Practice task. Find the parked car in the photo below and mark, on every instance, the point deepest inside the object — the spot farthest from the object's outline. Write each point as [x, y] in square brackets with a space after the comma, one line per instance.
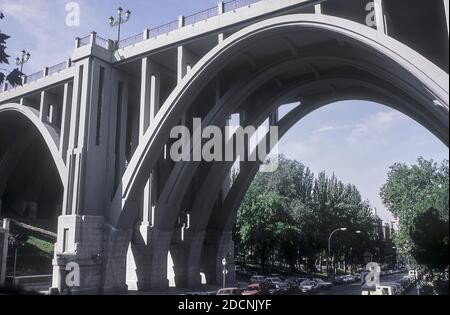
[382, 290]
[273, 289]
[257, 279]
[229, 291]
[292, 281]
[242, 271]
[283, 286]
[273, 280]
[308, 286]
[261, 288]
[348, 279]
[338, 280]
[300, 280]
[323, 285]
[398, 287]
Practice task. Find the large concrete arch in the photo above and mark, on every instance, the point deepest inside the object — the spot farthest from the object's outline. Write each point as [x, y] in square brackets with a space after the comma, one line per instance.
[421, 76]
[203, 205]
[186, 253]
[46, 132]
[217, 233]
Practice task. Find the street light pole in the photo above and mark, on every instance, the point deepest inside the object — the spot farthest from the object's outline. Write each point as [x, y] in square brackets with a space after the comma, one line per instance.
[20, 61]
[224, 264]
[329, 247]
[119, 21]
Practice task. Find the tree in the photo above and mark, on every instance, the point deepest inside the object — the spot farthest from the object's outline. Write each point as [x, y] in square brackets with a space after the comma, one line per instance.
[261, 222]
[429, 236]
[410, 191]
[14, 77]
[288, 215]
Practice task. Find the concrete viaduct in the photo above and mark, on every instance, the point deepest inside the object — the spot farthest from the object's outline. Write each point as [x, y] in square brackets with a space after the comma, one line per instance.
[86, 141]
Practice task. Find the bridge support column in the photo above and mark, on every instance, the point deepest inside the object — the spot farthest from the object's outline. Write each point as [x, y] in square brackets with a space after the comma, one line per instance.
[185, 61]
[379, 16]
[147, 259]
[218, 245]
[318, 8]
[44, 106]
[77, 264]
[115, 246]
[65, 119]
[49, 107]
[186, 254]
[149, 105]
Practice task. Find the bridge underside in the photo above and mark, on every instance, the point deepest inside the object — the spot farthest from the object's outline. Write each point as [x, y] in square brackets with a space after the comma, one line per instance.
[132, 216]
[30, 186]
[194, 211]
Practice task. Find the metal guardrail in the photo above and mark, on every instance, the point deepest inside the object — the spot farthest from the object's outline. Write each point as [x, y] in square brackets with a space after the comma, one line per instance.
[6, 86]
[189, 20]
[163, 29]
[201, 16]
[57, 68]
[153, 33]
[34, 77]
[236, 4]
[131, 40]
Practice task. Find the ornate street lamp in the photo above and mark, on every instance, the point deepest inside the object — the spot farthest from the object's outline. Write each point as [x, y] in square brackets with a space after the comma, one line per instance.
[119, 21]
[20, 61]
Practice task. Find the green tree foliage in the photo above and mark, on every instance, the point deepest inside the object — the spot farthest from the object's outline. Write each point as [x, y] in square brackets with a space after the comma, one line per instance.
[14, 76]
[410, 191]
[429, 237]
[287, 216]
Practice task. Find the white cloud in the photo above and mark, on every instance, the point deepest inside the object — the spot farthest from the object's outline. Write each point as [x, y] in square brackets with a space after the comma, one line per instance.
[330, 128]
[376, 127]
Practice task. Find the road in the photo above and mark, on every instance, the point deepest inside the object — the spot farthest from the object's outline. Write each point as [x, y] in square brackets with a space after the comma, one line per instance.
[355, 288]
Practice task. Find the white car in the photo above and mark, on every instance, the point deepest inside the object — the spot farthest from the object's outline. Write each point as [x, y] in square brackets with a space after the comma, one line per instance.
[308, 286]
[229, 291]
[382, 290]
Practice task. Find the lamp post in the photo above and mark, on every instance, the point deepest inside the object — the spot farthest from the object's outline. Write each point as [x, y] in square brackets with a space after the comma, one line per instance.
[119, 21]
[224, 271]
[20, 61]
[329, 247]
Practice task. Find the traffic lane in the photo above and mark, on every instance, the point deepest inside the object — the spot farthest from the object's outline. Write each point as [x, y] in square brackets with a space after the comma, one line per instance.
[355, 288]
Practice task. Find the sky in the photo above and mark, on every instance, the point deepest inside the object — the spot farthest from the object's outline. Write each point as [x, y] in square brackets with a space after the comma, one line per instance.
[356, 140]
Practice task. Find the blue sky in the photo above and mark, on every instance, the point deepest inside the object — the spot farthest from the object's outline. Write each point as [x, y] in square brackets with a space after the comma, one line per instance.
[358, 141]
